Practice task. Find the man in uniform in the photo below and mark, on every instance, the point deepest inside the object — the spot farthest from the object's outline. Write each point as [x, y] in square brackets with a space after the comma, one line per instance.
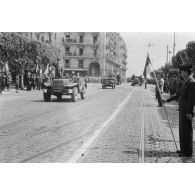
[186, 106]
[17, 82]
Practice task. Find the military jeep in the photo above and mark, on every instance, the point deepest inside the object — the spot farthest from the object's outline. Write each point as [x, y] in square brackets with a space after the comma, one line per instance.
[63, 86]
[108, 81]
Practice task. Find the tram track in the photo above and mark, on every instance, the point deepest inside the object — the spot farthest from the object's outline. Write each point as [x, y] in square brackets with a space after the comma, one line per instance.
[142, 135]
[55, 147]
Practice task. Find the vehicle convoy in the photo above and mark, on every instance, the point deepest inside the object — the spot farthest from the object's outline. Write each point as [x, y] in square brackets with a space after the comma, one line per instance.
[108, 82]
[137, 80]
[63, 86]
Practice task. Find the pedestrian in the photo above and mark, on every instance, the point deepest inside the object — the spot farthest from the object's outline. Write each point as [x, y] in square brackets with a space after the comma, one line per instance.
[17, 82]
[186, 106]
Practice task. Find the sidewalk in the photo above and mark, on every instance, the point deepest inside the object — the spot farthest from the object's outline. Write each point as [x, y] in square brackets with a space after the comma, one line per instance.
[160, 137]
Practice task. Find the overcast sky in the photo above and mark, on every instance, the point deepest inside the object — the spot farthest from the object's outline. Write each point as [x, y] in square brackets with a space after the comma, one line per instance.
[137, 48]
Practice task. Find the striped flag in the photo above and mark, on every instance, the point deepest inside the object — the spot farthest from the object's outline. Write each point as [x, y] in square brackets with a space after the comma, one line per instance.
[147, 68]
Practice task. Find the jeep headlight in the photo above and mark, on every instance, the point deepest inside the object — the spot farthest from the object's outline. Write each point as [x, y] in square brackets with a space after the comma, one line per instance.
[70, 91]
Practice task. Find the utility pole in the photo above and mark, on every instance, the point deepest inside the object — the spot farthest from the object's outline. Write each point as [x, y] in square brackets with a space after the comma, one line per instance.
[167, 53]
[169, 56]
[174, 45]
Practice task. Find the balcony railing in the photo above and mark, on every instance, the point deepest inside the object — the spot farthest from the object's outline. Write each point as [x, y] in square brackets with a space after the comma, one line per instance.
[75, 42]
[75, 55]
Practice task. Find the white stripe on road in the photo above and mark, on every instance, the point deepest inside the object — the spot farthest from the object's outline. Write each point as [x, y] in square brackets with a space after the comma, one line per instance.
[80, 152]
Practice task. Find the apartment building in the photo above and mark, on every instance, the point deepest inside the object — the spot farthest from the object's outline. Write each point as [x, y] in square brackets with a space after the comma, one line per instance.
[94, 54]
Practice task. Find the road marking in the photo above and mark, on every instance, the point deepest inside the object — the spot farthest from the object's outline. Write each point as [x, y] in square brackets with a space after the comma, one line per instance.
[141, 146]
[80, 152]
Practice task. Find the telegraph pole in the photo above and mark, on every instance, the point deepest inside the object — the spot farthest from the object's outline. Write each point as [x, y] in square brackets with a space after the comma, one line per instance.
[167, 54]
[174, 45]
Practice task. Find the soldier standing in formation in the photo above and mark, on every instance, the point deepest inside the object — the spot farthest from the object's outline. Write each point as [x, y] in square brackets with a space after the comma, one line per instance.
[186, 106]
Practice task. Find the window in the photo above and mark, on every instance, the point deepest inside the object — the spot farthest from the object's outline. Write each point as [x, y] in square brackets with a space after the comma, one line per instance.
[42, 38]
[81, 39]
[80, 63]
[94, 39]
[95, 52]
[49, 37]
[67, 63]
[63, 39]
[67, 50]
[67, 36]
[31, 35]
[55, 36]
[80, 51]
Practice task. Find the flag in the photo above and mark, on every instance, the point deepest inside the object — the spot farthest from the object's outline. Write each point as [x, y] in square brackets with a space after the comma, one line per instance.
[46, 70]
[147, 69]
[6, 67]
[37, 68]
[40, 71]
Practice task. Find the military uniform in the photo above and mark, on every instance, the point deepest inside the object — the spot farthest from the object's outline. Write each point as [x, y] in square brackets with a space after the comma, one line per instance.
[186, 106]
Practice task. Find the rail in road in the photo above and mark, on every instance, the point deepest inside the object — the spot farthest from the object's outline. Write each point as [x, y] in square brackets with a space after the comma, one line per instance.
[141, 147]
[82, 151]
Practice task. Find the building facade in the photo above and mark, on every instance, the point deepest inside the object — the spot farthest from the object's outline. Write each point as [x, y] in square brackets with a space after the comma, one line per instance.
[93, 54]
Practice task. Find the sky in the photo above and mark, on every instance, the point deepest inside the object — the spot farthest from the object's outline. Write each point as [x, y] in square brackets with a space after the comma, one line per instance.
[137, 48]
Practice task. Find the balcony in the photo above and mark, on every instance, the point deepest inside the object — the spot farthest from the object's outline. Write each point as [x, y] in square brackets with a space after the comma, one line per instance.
[75, 55]
[80, 44]
[112, 59]
[70, 41]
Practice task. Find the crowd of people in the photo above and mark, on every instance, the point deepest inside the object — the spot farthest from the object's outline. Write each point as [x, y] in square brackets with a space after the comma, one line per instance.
[181, 89]
[31, 81]
[5, 82]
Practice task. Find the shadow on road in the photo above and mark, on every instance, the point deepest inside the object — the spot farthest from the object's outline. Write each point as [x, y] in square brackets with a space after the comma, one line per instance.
[56, 101]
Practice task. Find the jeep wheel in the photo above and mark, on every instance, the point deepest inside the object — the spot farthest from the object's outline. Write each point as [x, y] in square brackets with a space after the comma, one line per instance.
[74, 95]
[83, 94]
[47, 97]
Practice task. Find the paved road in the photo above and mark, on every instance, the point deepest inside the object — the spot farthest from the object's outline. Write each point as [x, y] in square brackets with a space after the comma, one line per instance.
[105, 127]
[35, 131]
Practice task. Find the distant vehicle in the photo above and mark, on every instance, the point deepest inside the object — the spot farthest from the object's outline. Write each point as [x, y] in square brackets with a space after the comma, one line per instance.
[61, 86]
[108, 82]
[137, 80]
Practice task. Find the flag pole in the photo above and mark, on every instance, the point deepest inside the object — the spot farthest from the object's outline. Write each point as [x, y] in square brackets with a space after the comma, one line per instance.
[166, 113]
